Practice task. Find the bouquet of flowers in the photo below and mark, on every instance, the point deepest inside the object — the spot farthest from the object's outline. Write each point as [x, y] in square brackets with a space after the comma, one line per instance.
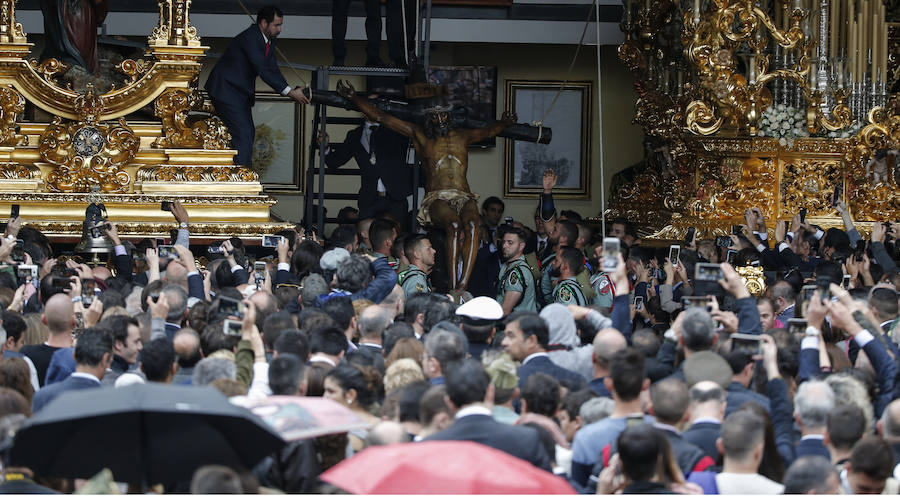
[848, 132]
[788, 123]
[785, 123]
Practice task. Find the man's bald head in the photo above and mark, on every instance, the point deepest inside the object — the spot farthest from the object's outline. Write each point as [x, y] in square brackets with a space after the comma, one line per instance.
[607, 342]
[187, 347]
[394, 301]
[58, 314]
[264, 301]
[707, 400]
[373, 320]
[176, 274]
[386, 433]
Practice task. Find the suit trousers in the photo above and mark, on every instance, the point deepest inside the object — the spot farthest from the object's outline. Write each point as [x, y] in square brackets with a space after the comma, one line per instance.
[395, 29]
[239, 120]
[339, 10]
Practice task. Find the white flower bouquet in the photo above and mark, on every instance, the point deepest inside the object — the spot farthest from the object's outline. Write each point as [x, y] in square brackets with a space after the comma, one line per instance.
[785, 123]
[789, 123]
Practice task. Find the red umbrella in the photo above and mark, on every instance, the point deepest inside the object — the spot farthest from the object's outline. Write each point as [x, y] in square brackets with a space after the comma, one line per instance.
[442, 468]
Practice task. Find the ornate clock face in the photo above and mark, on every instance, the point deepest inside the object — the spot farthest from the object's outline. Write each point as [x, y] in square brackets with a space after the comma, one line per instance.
[88, 141]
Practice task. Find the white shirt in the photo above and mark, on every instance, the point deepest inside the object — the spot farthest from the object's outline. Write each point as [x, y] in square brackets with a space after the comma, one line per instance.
[322, 359]
[742, 483]
[364, 138]
[707, 419]
[472, 411]
[88, 376]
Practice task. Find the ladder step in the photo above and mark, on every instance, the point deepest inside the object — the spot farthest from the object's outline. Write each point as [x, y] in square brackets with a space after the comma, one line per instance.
[366, 71]
[338, 172]
[344, 120]
[341, 196]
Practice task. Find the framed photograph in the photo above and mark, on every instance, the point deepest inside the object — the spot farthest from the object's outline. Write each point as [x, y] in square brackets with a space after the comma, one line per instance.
[472, 92]
[569, 150]
[278, 143]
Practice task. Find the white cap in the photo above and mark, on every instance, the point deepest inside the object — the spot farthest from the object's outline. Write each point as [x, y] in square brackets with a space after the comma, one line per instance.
[331, 259]
[484, 308]
[126, 379]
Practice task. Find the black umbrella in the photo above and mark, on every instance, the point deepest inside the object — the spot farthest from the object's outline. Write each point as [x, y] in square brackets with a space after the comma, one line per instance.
[145, 434]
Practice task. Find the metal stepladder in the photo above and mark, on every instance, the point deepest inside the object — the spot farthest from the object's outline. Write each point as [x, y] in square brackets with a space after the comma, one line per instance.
[316, 171]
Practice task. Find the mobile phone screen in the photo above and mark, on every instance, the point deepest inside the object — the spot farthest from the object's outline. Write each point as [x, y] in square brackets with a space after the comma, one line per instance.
[674, 252]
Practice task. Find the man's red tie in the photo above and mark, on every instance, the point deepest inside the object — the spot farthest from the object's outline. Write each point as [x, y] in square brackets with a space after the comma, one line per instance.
[267, 49]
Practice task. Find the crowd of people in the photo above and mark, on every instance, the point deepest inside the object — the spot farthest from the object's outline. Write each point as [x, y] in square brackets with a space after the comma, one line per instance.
[647, 370]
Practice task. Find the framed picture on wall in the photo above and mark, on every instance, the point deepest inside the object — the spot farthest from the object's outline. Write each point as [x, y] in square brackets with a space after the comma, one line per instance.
[277, 154]
[569, 150]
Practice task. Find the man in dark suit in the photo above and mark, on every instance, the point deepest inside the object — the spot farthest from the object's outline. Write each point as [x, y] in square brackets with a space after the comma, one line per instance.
[813, 402]
[380, 154]
[232, 83]
[373, 320]
[707, 412]
[93, 354]
[742, 367]
[526, 340]
[470, 393]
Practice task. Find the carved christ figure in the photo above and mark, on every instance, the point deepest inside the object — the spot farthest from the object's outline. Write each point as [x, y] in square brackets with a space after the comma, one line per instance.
[448, 202]
[70, 27]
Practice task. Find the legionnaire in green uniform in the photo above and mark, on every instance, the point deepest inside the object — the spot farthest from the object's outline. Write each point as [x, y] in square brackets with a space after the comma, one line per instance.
[420, 253]
[605, 290]
[564, 234]
[382, 233]
[516, 286]
[568, 263]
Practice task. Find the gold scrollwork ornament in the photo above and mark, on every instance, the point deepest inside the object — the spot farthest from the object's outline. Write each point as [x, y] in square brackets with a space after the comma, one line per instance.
[88, 155]
[88, 152]
[11, 105]
[206, 174]
[173, 107]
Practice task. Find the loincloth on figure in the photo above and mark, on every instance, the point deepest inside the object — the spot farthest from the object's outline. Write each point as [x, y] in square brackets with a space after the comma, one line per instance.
[456, 198]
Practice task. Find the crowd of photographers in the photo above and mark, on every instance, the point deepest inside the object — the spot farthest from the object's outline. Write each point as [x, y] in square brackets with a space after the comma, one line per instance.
[614, 364]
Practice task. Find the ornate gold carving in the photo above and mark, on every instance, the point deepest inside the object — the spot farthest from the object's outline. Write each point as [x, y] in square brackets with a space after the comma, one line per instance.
[874, 195]
[754, 279]
[207, 174]
[19, 171]
[881, 132]
[701, 119]
[11, 105]
[173, 107]
[144, 229]
[129, 198]
[88, 152]
[809, 183]
[731, 185]
[712, 42]
[10, 30]
[49, 70]
[174, 27]
[134, 69]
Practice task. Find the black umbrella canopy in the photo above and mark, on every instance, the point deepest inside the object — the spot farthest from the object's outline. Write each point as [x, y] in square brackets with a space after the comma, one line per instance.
[146, 434]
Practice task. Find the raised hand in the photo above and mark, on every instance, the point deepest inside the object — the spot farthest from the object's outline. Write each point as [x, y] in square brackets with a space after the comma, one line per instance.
[549, 180]
[180, 212]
